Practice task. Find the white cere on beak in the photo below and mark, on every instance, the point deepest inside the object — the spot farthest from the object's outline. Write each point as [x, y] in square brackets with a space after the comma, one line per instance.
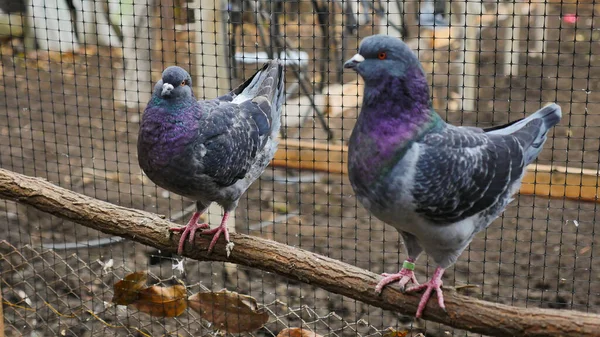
[167, 88]
[358, 58]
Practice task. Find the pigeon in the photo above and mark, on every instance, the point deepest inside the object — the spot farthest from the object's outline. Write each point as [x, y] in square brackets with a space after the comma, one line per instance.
[211, 150]
[436, 183]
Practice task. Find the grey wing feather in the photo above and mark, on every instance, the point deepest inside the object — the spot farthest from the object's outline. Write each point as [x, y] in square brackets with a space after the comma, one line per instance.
[238, 125]
[226, 146]
[531, 131]
[461, 173]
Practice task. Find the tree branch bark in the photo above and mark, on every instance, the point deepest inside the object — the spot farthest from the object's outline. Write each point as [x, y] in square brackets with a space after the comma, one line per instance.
[462, 312]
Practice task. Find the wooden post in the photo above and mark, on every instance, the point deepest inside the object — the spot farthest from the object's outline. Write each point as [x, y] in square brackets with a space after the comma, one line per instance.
[211, 77]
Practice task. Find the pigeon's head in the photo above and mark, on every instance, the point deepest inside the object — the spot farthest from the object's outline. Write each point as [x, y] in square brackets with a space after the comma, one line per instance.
[175, 83]
[380, 55]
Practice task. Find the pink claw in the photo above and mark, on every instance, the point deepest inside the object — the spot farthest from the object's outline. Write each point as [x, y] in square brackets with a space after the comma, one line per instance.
[189, 231]
[404, 276]
[429, 286]
[217, 232]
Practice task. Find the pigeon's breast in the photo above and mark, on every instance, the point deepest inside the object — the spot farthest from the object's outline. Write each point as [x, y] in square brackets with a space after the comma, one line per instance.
[166, 154]
[386, 194]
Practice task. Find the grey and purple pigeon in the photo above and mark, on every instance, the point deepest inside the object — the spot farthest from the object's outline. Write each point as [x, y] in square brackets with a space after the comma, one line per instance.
[211, 150]
[437, 184]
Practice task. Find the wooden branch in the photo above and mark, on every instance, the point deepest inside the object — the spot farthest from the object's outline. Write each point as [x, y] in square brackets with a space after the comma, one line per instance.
[335, 276]
[543, 180]
[314, 156]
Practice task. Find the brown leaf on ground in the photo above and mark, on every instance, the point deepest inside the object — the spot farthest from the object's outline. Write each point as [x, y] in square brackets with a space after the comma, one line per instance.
[391, 332]
[229, 311]
[297, 332]
[162, 301]
[128, 289]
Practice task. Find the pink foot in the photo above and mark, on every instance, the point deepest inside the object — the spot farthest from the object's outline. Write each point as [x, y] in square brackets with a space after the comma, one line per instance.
[429, 286]
[189, 231]
[404, 276]
[217, 233]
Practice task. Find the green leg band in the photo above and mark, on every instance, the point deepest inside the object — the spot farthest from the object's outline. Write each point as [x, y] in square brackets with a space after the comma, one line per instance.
[408, 265]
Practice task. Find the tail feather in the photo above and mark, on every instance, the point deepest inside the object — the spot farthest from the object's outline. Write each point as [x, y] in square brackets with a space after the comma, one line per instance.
[278, 99]
[264, 82]
[531, 131]
[550, 115]
[266, 89]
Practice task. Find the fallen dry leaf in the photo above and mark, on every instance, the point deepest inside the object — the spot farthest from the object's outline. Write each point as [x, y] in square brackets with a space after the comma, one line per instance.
[297, 332]
[154, 300]
[391, 332]
[162, 301]
[128, 289]
[229, 311]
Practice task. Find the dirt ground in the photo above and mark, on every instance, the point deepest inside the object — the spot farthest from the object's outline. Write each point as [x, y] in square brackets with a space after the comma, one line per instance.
[59, 121]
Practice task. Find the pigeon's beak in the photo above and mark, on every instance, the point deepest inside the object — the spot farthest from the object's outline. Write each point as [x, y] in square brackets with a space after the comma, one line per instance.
[166, 89]
[354, 61]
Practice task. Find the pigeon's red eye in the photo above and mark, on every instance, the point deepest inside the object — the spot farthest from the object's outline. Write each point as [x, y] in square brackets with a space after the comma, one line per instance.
[182, 83]
[382, 55]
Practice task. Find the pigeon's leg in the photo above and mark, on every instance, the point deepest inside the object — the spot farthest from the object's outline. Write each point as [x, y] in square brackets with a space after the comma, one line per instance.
[189, 230]
[434, 284]
[405, 275]
[217, 232]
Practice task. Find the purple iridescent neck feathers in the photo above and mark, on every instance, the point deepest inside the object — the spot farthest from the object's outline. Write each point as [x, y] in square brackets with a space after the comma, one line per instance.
[396, 110]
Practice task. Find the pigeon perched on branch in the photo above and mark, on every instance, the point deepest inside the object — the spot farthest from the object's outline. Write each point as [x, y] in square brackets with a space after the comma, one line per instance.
[436, 183]
[212, 150]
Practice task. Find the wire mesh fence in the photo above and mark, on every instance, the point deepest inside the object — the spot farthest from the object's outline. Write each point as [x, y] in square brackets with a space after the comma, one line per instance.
[52, 294]
[76, 76]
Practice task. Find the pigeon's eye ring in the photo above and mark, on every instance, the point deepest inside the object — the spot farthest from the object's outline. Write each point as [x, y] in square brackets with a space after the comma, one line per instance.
[182, 83]
[382, 55]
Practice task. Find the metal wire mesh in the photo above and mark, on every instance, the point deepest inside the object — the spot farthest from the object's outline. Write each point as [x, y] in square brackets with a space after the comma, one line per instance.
[76, 76]
[50, 295]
